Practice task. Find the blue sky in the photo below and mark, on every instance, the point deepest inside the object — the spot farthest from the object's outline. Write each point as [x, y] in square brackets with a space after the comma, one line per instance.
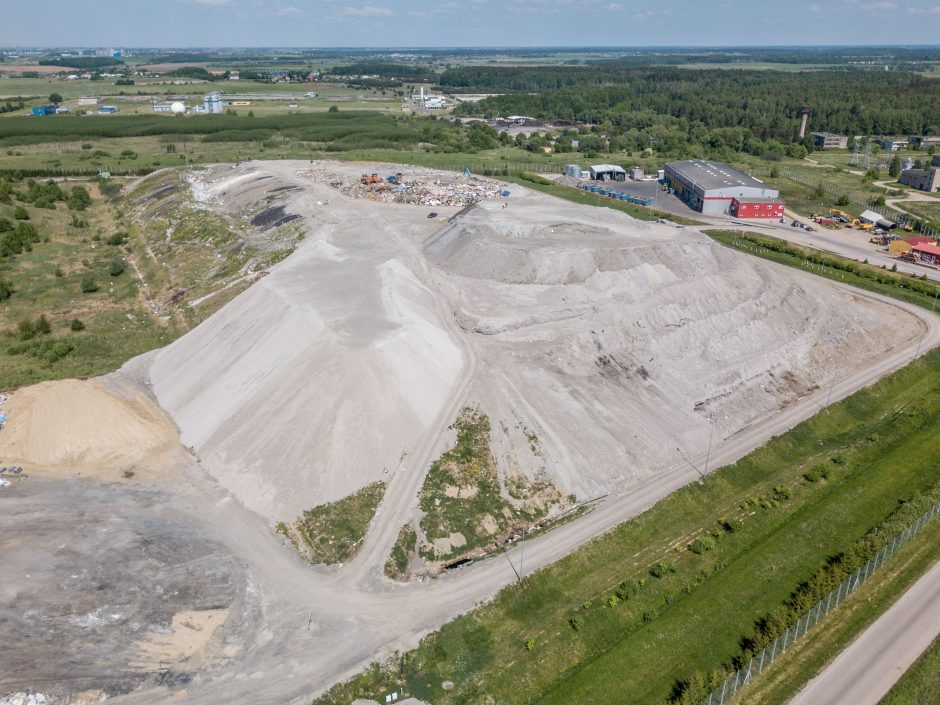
[328, 23]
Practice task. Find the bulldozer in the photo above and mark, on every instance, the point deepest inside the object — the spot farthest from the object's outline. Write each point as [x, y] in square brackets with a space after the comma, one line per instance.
[368, 179]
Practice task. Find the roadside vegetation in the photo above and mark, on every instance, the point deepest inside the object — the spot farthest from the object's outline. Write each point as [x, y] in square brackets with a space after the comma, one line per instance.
[639, 611]
[906, 287]
[464, 511]
[403, 552]
[778, 684]
[920, 683]
[333, 532]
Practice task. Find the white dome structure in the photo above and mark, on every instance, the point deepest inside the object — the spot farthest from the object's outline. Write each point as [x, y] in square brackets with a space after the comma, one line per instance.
[177, 108]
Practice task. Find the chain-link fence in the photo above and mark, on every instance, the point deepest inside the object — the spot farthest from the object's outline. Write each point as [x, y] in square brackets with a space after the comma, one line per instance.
[740, 678]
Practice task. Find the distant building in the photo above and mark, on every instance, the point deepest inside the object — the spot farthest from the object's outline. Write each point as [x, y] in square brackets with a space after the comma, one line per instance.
[924, 141]
[62, 110]
[904, 245]
[935, 161]
[107, 109]
[892, 145]
[233, 75]
[922, 179]
[433, 102]
[44, 110]
[212, 103]
[608, 172]
[875, 218]
[573, 170]
[756, 207]
[709, 187]
[87, 100]
[162, 108]
[827, 140]
[927, 253]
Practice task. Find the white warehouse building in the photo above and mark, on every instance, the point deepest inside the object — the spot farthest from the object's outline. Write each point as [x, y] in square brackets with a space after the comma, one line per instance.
[709, 187]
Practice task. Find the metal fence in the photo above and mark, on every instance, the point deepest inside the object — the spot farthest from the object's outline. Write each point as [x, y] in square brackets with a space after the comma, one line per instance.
[740, 678]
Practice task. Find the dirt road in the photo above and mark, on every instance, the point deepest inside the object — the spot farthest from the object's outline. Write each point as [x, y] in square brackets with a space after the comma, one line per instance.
[295, 629]
[867, 669]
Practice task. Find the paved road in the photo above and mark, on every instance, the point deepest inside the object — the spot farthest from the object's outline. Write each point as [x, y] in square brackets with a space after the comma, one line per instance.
[865, 671]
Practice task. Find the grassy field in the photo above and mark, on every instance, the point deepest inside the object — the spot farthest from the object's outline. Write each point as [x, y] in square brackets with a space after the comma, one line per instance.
[921, 683]
[627, 616]
[333, 532]
[915, 290]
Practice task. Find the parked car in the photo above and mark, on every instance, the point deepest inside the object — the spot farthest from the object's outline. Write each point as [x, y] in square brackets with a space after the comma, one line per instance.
[432, 215]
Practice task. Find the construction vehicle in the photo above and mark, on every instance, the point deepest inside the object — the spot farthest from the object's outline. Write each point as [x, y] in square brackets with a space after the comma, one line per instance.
[395, 179]
[841, 216]
[856, 223]
[908, 228]
[368, 179]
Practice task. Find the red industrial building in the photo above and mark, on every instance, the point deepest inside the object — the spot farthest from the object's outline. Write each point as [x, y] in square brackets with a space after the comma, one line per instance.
[928, 253]
[756, 207]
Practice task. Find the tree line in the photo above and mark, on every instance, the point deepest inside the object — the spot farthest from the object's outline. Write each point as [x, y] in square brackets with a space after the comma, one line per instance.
[708, 106]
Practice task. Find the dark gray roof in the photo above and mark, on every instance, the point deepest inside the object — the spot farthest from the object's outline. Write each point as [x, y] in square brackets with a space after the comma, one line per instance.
[713, 175]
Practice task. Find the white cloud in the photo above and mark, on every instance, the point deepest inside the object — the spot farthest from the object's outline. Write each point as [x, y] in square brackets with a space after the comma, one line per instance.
[365, 11]
[935, 10]
[879, 6]
[815, 9]
[210, 3]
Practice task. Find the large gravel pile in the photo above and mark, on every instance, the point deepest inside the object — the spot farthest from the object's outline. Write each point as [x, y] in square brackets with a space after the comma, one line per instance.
[621, 346]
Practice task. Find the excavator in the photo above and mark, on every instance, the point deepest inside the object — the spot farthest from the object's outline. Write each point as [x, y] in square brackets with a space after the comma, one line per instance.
[368, 179]
[841, 216]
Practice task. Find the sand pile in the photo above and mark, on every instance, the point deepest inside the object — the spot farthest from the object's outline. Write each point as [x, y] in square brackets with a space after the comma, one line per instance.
[74, 424]
[318, 379]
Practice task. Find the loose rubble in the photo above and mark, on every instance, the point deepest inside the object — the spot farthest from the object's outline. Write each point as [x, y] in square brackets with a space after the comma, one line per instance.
[412, 185]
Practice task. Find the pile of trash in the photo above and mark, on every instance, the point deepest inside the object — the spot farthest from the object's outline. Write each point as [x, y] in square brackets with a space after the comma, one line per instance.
[24, 699]
[422, 187]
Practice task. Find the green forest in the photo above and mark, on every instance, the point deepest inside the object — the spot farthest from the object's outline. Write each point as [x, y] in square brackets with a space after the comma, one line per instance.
[716, 110]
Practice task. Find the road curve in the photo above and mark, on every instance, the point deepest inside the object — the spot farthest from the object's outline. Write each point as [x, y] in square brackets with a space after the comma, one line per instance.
[866, 670]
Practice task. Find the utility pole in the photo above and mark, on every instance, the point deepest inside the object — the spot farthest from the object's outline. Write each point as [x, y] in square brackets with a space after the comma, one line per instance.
[709, 451]
[829, 396]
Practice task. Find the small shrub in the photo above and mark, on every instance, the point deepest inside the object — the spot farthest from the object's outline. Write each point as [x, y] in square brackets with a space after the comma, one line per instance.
[613, 601]
[119, 238]
[529, 644]
[76, 325]
[731, 524]
[781, 493]
[20, 213]
[816, 473]
[6, 289]
[662, 569]
[88, 145]
[702, 544]
[88, 284]
[576, 622]
[117, 267]
[42, 326]
[25, 329]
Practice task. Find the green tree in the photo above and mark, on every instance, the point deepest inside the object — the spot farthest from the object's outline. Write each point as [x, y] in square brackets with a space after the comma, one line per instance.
[76, 325]
[55, 98]
[895, 167]
[117, 267]
[20, 213]
[843, 201]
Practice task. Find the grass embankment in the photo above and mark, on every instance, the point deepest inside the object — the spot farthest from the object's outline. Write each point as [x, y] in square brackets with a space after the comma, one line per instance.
[587, 198]
[906, 287]
[632, 613]
[331, 533]
[78, 275]
[921, 682]
[464, 510]
[779, 683]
